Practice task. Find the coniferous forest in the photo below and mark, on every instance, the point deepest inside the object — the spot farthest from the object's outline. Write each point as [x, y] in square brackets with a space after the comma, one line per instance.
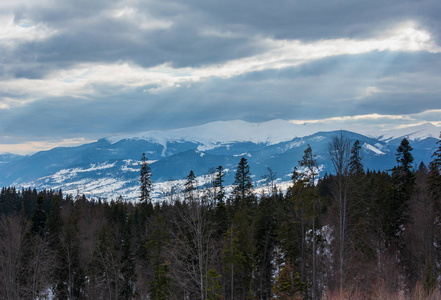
[348, 234]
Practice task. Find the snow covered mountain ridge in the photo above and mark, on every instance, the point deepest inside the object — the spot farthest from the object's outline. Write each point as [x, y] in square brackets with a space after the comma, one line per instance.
[271, 132]
[413, 133]
[109, 167]
[221, 132]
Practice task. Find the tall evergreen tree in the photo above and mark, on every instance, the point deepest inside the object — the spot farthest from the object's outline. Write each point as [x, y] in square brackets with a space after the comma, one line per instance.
[310, 171]
[265, 235]
[55, 221]
[243, 184]
[190, 186]
[127, 262]
[355, 161]
[434, 184]
[156, 247]
[435, 172]
[71, 277]
[295, 223]
[39, 217]
[237, 256]
[404, 158]
[218, 184]
[146, 184]
[403, 179]
[309, 165]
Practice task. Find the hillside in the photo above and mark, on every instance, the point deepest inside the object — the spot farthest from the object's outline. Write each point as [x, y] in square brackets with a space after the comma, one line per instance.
[109, 167]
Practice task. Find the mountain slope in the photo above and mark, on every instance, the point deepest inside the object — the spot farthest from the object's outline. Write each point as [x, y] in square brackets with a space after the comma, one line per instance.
[110, 166]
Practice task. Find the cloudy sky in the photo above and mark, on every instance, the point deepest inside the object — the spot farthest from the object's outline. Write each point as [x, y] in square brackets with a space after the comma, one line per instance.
[75, 71]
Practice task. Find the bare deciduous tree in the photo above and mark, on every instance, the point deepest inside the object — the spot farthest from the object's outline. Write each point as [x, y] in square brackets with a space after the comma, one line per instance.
[339, 152]
[192, 247]
[12, 233]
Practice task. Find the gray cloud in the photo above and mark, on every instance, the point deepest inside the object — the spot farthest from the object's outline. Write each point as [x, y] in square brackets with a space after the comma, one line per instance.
[199, 34]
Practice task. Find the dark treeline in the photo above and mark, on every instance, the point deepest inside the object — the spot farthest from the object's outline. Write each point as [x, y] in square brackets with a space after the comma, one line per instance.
[352, 234]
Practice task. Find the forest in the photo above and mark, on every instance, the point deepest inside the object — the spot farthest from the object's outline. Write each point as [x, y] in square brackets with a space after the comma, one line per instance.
[348, 234]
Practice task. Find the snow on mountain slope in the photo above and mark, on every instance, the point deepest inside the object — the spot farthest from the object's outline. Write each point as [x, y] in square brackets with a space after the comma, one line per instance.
[373, 149]
[211, 135]
[412, 133]
[110, 167]
[222, 132]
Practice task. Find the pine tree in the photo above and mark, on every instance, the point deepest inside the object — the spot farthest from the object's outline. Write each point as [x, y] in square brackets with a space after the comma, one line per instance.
[214, 288]
[265, 234]
[309, 163]
[219, 186]
[156, 248]
[190, 186]
[288, 284]
[243, 184]
[435, 172]
[403, 179]
[71, 277]
[355, 164]
[310, 170]
[127, 262]
[55, 221]
[295, 219]
[145, 181]
[39, 217]
[237, 256]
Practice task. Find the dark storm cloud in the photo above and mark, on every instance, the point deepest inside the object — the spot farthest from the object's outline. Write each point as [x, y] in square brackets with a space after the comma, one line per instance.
[311, 20]
[87, 32]
[259, 96]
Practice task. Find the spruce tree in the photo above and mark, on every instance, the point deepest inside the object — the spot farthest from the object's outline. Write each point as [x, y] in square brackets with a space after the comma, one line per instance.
[435, 172]
[403, 180]
[55, 221]
[155, 246]
[310, 170]
[128, 273]
[237, 256]
[218, 185]
[309, 163]
[39, 218]
[355, 164]
[243, 184]
[71, 279]
[266, 227]
[404, 157]
[190, 186]
[145, 181]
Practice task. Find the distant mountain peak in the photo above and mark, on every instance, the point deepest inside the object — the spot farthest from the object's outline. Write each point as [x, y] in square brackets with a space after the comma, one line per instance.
[221, 132]
[110, 167]
[210, 135]
[417, 132]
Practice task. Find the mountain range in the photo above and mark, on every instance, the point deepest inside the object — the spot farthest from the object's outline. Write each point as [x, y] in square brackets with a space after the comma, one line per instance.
[109, 167]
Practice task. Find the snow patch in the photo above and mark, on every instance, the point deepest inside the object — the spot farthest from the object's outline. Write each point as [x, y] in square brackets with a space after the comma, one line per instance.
[294, 144]
[242, 154]
[317, 138]
[373, 149]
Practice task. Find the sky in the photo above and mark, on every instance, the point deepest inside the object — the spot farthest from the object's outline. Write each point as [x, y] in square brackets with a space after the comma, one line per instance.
[72, 72]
